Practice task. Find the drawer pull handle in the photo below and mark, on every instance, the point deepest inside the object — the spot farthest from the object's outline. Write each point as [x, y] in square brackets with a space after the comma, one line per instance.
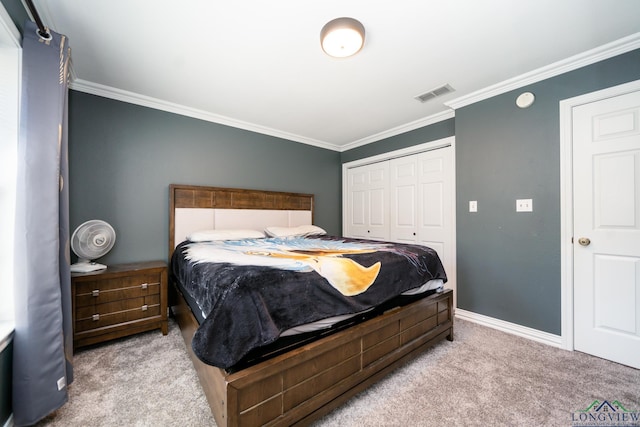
[95, 317]
[95, 292]
[144, 285]
[144, 307]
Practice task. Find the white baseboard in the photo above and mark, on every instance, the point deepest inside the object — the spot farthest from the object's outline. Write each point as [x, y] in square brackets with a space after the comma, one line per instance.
[510, 328]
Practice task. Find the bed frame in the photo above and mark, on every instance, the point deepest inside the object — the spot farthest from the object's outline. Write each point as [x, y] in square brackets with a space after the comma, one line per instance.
[302, 385]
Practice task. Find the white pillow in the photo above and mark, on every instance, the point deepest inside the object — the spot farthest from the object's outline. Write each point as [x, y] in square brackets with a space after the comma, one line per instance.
[210, 235]
[301, 230]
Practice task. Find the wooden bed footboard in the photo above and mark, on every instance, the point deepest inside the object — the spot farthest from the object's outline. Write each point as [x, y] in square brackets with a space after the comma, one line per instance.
[304, 384]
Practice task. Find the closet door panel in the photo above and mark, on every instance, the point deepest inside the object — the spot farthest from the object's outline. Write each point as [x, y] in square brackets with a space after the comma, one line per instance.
[358, 213]
[358, 202]
[405, 206]
[435, 207]
[378, 227]
[368, 202]
[432, 206]
[403, 225]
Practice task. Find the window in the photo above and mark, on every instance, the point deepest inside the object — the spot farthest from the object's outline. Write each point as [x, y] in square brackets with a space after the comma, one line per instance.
[10, 62]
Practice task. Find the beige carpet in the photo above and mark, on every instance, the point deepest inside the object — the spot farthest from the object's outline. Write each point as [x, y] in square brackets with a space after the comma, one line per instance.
[483, 378]
[143, 380]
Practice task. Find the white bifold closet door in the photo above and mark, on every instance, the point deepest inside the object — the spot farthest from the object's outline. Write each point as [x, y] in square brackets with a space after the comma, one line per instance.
[421, 201]
[408, 199]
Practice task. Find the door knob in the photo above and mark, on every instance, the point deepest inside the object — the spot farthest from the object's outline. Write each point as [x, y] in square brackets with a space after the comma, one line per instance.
[584, 241]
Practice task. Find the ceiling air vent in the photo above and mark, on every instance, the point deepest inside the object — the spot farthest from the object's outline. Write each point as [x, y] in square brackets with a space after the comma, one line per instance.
[433, 93]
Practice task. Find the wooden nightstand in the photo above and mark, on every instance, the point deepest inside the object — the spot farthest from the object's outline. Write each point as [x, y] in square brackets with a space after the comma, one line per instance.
[122, 300]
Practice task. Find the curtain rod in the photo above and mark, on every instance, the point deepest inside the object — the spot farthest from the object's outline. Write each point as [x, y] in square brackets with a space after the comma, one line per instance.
[42, 30]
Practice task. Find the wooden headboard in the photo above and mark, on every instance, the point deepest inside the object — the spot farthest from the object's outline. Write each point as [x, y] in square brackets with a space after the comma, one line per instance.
[193, 208]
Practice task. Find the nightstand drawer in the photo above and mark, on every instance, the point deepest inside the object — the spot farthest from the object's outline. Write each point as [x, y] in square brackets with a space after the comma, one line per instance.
[92, 293]
[121, 300]
[117, 312]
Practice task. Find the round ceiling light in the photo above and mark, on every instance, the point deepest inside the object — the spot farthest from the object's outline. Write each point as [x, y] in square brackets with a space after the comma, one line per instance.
[342, 37]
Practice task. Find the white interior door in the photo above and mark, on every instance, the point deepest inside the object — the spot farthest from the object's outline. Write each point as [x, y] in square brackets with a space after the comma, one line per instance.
[606, 194]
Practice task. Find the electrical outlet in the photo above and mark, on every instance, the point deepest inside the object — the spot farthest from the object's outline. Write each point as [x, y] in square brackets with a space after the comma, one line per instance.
[473, 206]
[524, 205]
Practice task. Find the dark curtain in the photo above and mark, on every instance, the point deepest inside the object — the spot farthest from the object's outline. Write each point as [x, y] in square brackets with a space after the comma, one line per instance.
[43, 341]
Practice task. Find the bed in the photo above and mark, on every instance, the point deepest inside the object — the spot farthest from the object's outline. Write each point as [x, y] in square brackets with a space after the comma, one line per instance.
[297, 378]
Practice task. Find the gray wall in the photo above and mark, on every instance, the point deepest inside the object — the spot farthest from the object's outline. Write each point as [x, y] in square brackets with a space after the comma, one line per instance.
[443, 129]
[508, 263]
[16, 11]
[123, 158]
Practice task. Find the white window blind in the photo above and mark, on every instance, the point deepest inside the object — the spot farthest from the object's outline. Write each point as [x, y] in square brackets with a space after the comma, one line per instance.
[10, 71]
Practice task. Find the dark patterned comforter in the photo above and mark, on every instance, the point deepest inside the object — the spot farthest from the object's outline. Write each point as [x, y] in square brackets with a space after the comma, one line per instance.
[252, 290]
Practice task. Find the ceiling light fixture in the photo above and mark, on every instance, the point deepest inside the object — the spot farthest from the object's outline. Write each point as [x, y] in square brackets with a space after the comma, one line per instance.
[342, 37]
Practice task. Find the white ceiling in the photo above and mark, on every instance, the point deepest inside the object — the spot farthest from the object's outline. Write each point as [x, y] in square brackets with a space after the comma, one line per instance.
[258, 65]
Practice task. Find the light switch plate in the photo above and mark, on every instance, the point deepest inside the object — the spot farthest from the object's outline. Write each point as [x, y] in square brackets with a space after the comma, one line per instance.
[473, 206]
[524, 205]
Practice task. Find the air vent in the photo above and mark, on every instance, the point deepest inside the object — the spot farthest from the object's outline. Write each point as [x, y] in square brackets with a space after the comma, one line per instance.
[434, 93]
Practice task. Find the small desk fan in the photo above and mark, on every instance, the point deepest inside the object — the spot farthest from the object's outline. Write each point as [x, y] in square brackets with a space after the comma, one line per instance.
[90, 241]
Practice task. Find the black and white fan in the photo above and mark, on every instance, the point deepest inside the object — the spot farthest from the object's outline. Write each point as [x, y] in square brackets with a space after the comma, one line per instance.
[90, 241]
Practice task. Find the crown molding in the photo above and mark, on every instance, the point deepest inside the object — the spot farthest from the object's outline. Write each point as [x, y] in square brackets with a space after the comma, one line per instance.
[589, 57]
[434, 118]
[606, 51]
[158, 104]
